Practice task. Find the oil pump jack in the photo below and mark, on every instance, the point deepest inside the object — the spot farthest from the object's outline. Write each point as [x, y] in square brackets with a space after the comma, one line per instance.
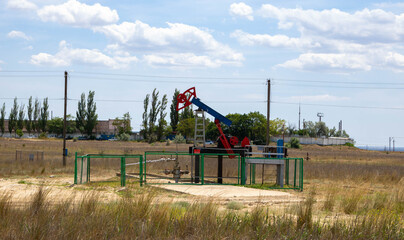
[227, 144]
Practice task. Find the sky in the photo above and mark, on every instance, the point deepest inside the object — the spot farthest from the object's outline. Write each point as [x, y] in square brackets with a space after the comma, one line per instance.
[344, 59]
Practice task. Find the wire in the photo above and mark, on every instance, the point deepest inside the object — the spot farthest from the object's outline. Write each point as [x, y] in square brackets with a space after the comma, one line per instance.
[161, 81]
[332, 86]
[238, 102]
[166, 76]
[341, 82]
[340, 106]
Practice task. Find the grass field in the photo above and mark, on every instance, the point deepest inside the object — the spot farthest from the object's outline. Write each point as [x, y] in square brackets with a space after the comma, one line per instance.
[348, 193]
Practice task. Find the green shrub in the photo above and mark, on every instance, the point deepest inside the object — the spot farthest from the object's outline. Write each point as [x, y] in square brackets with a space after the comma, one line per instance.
[294, 143]
[123, 137]
[349, 144]
[43, 135]
[19, 133]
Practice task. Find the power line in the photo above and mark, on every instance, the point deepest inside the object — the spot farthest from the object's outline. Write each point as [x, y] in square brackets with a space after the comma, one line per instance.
[333, 86]
[340, 106]
[161, 81]
[340, 82]
[238, 102]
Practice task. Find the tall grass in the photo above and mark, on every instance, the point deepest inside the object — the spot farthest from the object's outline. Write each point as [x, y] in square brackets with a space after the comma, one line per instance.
[143, 217]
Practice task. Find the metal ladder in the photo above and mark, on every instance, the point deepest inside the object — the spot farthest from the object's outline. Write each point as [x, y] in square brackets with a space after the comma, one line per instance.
[199, 136]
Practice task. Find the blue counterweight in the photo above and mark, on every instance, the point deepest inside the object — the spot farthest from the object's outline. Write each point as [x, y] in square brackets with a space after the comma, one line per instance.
[212, 112]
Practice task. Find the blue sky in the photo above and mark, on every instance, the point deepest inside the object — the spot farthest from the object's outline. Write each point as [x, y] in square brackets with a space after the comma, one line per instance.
[342, 58]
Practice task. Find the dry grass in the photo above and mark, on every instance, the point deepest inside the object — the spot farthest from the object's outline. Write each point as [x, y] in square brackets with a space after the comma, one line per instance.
[138, 218]
[365, 190]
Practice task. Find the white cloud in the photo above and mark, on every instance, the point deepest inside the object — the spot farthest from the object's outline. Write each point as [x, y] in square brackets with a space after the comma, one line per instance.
[18, 34]
[329, 62]
[177, 44]
[241, 10]
[361, 26]
[180, 60]
[68, 56]
[273, 41]
[76, 14]
[1, 62]
[333, 40]
[317, 98]
[21, 5]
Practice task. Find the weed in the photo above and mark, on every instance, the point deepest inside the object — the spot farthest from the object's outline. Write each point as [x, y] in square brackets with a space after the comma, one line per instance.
[305, 212]
[233, 205]
[330, 199]
[350, 201]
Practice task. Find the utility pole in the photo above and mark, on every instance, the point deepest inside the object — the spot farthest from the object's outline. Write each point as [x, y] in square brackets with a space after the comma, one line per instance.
[64, 123]
[299, 115]
[389, 144]
[268, 117]
[268, 109]
[394, 145]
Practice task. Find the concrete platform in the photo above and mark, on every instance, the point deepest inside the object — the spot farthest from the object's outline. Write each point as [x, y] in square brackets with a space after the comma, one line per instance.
[226, 191]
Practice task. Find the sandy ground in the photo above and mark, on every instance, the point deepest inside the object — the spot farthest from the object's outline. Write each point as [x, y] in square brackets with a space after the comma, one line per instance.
[61, 189]
[233, 193]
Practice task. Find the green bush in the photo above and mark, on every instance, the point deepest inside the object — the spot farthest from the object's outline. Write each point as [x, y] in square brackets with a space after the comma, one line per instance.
[294, 143]
[19, 133]
[349, 144]
[43, 135]
[123, 137]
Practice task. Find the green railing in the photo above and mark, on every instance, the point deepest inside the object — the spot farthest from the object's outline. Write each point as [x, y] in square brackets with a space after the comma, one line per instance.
[296, 177]
[293, 168]
[200, 175]
[82, 166]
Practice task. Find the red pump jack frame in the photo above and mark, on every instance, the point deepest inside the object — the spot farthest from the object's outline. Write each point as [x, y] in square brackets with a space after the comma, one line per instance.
[184, 99]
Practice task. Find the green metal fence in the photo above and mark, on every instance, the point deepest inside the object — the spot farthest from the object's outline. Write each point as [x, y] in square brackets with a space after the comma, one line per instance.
[157, 170]
[293, 172]
[82, 166]
[157, 167]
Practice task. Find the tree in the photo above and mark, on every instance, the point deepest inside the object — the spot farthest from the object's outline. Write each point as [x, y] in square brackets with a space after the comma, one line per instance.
[81, 114]
[186, 127]
[2, 117]
[145, 117]
[321, 129]
[55, 125]
[91, 115]
[28, 122]
[162, 121]
[44, 115]
[154, 111]
[174, 117]
[12, 119]
[123, 125]
[21, 116]
[186, 113]
[37, 109]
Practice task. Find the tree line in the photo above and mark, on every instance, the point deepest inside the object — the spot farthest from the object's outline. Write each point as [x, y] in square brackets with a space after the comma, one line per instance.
[154, 124]
[35, 122]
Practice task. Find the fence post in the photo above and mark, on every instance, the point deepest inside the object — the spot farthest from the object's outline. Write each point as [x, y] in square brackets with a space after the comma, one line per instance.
[75, 168]
[301, 174]
[243, 171]
[88, 169]
[294, 176]
[141, 170]
[203, 169]
[287, 171]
